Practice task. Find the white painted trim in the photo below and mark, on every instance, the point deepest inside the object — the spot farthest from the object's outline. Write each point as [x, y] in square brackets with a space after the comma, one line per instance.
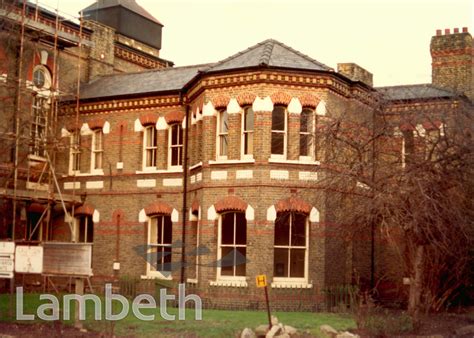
[197, 165]
[314, 215]
[262, 105]
[211, 213]
[243, 174]
[65, 132]
[142, 217]
[321, 108]
[291, 285]
[209, 110]
[279, 174]
[271, 214]
[96, 216]
[249, 213]
[172, 182]
[138, 126]
[229, 283]
[233, 107]
[147, 183]
[85, 130]
[72, 185]
[295, 106]
[277, 160]
[153, 170]
[242, 161]
[106, 128]
[219, 175]
[308, 176]
[95, 185]
[161, 124]
[174, 216]
[119, 165]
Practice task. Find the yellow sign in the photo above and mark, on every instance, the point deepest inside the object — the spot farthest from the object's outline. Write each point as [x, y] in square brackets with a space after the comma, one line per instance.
[261, 281]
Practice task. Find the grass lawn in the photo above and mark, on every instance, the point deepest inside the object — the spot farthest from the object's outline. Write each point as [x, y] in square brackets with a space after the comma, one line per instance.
[214, 323]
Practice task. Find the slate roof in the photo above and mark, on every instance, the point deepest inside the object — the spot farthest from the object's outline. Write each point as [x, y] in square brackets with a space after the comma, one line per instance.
[128, 4]
[414, 92]
[267, 53]
[160, 80]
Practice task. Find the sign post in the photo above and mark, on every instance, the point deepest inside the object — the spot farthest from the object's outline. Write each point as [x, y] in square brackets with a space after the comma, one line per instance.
[262, 283]
[7, 263]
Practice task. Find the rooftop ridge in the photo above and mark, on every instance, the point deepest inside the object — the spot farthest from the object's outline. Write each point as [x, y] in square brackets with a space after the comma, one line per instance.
[267, 52]
[303, 55]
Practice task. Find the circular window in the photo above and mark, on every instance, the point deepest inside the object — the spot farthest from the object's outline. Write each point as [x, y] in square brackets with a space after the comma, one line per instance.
[41, 77]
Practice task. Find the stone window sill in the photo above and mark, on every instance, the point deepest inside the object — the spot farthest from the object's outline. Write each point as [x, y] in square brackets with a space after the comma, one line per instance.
[243, 161]
[231, 283]
[291, 285]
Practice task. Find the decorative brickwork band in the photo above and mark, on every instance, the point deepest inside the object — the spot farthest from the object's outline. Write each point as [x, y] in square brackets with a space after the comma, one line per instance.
[281, 98]
[158, 208]
[229, 203]
[36, 208]
[432, 125]
[309, 101]
[148, 119]
[174, 117]
[85, 209]
[293, 204]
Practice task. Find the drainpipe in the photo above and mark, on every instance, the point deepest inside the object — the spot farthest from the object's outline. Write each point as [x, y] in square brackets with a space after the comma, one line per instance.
[185, 187]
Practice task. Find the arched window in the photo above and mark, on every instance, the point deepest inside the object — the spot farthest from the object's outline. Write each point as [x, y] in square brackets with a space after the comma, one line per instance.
[160, 242]
[75, 152]
[290, 246]
[97, 149]
[176, 145]
[222, 134]
[83, 229]
[149, 146]
[232, 245]
[247, 132]
[307, 131]
[279, 132]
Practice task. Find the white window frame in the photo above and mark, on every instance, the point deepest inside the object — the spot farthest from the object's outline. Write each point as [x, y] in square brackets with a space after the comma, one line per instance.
[38, 113]
[246, 134]
[285, 136]
[291, 280]
[404, 152]
[149, 271]
[220, 134]
[75, 152]
[152, 148]
[178, 146]
[221, 277]
[312, 136]
[97, 151]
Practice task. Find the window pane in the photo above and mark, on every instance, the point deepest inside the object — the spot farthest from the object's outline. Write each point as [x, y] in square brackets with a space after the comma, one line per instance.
[167, 235]
[278, 118]
[82, 229]
[153, 231]
[248, 143]
[278, 143]
[241, 229]
[306, 123]
[248, 122]
[224, 127]
[90, 230]
[163, 259]
[298, 233]
[174, 134]
[223, 145]
[297, 263]
[282, 229]
[304, 144]
[240, 265]
[280, 266]
[227, 261]
[175, 156]
[228, 228]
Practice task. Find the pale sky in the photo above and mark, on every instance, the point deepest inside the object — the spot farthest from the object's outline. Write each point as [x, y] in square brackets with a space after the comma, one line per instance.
[390, 38]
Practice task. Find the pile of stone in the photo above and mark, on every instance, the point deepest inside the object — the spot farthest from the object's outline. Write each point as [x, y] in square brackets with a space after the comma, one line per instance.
[329, 331]
[278, 330]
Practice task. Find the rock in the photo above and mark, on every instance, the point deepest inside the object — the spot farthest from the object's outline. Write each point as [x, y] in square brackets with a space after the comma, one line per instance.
[347, 334]
[261, 330]
[465, 330]
[274, 320]
[274, 331]
[248, 333]
[328, 330]
[290, 330]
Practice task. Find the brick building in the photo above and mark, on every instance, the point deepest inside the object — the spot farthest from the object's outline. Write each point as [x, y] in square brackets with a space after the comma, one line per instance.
[223, 162]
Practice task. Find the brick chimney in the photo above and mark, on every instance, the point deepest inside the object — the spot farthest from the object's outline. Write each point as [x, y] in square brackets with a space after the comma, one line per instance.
[452, 61]
[355, 73]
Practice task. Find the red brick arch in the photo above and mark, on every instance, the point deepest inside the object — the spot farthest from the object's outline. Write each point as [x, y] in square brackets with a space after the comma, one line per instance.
[158, 208]
[220, 101]
[309, 101]
[148, 119]
[174, 117]
[281, 98]
[230, 203]
[96, 123]
[36, 208]
[246, 99]
[295, 204]
[195, 207]
[85, 209]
